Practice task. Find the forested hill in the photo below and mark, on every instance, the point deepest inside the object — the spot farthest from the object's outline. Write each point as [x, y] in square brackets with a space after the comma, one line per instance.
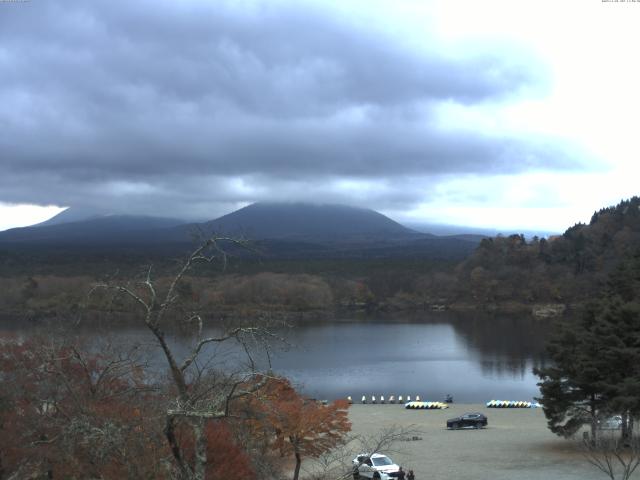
[311, 222]
[566, 269]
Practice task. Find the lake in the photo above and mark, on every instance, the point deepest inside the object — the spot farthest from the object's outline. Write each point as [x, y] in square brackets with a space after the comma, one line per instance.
[473, 357]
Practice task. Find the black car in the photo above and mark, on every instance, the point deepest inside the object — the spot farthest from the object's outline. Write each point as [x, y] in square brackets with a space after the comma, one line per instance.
[474, 420]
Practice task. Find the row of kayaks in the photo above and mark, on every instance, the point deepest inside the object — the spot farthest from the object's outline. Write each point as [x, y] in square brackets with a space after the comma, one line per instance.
[417, 404]
[512, 404]
[391, 399]
[426, 405]
[490, 404]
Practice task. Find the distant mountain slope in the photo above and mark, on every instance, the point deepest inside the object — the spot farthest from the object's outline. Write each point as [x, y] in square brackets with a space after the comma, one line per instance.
[109, 229]
[309, 222]
[70, 215]
[285, 230]
[477, 232]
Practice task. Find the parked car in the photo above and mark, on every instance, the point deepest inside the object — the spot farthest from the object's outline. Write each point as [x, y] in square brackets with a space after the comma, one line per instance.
[376, 466]
[473, 420]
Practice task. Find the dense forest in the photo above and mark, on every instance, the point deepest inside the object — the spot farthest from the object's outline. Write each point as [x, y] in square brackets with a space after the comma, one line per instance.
[503, 273]
[564, 269]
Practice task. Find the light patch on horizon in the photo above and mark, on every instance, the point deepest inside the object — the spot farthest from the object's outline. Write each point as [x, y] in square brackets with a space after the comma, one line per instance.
[13, 216]
[531, 201]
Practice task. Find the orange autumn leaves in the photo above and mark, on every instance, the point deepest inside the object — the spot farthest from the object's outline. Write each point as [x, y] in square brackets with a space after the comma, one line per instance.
[71, 413]
[302, 427]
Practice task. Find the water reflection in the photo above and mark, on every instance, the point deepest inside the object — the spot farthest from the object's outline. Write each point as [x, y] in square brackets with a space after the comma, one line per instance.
[505, 345]
[473, 357]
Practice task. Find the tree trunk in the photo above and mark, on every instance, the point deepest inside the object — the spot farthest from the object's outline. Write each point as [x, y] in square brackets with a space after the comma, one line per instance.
[594, 432]
[177, 374]
[626, 431]
[200, 466]
[594, 421]
[170, 433]
[296, 472]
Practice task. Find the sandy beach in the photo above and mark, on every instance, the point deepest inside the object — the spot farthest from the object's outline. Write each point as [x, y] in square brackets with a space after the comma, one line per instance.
[515, 445]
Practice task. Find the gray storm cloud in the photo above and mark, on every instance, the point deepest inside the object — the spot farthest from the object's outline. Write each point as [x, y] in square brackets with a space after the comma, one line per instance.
[176, 107]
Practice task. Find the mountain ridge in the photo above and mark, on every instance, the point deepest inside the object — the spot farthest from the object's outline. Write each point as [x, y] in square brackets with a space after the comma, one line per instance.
[95, 228]
[269, 220]
[304, 228]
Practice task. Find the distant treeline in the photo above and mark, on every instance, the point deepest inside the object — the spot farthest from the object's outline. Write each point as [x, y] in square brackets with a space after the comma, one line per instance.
[502, 273]
[568, 268]
[243, 288]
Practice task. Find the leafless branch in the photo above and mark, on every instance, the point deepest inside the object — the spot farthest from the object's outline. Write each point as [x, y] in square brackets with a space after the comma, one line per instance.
[386, 439]
[615, 458]
[200, 396]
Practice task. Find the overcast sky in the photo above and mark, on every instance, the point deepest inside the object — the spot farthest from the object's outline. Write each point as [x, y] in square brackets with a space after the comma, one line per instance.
[509, 114]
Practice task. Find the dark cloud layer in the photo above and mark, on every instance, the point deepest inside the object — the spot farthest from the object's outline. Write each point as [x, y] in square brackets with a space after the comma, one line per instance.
[170, 106]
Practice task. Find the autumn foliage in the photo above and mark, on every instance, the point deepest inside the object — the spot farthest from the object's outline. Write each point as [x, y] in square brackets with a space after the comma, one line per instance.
[303, 428]
[69, 412]
[228, 459]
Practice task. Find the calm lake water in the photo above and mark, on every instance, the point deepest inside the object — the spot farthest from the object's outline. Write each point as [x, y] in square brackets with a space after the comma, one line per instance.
[475, 358]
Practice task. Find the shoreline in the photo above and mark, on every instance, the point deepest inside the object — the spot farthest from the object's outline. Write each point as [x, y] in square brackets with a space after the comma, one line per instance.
[303, 316]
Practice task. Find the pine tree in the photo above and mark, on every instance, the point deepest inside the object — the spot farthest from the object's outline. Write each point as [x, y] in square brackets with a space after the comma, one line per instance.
[570, 395]
[617, 329]
[596, 359]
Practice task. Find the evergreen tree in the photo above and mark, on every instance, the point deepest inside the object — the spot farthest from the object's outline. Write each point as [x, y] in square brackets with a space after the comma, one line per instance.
[617, 331]
[596, 359]
[571, 397]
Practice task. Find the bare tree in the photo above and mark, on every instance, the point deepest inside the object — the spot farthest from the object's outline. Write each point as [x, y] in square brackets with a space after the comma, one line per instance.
[332, 465]
[387, 439]
[202, 392]
[336, 464]
[615, 457]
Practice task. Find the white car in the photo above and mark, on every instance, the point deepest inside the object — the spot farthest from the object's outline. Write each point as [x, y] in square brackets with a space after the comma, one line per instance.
[376, 466]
